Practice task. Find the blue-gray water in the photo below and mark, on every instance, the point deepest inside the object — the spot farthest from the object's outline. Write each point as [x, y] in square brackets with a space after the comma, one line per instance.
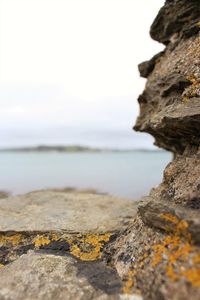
[126, 174]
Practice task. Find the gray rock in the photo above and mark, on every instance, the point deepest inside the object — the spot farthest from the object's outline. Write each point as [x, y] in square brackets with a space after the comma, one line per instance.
[60, 211]
[67, 232]
[69, 222]
[46, 277]
[42, 276]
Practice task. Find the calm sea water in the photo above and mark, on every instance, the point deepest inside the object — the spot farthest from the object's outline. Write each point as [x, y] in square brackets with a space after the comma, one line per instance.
[126, 174]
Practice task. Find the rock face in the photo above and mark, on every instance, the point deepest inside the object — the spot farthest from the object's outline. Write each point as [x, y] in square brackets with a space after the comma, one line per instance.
[52, 246]
[58, 245]
[159, 253]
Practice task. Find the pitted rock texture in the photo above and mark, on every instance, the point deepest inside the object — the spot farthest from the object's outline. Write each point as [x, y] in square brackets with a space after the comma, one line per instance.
[159, 254]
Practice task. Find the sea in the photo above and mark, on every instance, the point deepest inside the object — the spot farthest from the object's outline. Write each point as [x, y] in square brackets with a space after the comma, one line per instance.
[127, 174]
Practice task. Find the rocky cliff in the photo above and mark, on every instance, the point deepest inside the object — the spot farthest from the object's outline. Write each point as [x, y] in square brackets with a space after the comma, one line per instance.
[73, 245]
[159, 253]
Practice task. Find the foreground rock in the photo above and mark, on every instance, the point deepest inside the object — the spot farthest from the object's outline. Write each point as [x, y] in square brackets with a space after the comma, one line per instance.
[159, 253]
[45, 276]
[61, 211]
[52, 245]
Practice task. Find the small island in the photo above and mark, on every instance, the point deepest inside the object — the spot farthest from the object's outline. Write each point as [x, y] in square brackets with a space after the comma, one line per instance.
[72, 148]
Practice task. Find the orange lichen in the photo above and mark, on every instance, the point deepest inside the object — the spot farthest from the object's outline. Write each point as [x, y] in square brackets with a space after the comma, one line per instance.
[193, 276]
[196, 259]
[13, 239]
[169, 217]
[129, 283]
[159, 251]
[170, 272]
[41, 240]
[176, 249]
[88, 247]
[45, 239]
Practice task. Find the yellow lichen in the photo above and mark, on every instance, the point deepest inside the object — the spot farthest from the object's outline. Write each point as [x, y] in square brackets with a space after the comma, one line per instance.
[1, 265]
[13, 239]
[176, 249]
[41, 240]
[89, 246]
[129, 283]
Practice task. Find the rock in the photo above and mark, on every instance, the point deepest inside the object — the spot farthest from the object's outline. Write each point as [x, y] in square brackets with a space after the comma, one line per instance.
[52, 246]
[159, 253]
[77, 223]
[45, 276]
[49, 211]
[88, 246]
[172, 89]
[165, 215]
[175, 18]
[147, 67]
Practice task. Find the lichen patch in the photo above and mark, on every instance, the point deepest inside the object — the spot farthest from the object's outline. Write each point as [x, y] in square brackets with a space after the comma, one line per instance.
[175, 249]
[13, 239]
[88, 247]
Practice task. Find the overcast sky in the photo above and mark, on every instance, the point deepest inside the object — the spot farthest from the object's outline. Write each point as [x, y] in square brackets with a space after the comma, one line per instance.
[68, 70]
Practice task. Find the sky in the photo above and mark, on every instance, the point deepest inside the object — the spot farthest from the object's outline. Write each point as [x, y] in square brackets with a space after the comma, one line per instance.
[68, 71]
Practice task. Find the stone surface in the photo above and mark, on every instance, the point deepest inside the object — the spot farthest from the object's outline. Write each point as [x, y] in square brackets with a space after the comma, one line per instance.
[52, 246]
[71, 222]
[61, 211]
[44, 276]
[159, 253]
[176, 19]
[75, 238]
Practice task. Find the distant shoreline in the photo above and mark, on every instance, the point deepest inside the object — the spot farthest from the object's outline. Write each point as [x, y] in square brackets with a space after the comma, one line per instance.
[73, 148]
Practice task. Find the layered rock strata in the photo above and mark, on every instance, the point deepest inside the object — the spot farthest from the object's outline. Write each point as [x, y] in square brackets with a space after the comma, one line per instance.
[159, 254]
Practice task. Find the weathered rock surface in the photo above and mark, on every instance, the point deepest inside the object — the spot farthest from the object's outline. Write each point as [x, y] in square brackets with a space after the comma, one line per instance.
[60, 211]
[45, 276]
[52, 246]
[75, 239]
[159, 253]
[176, 19]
